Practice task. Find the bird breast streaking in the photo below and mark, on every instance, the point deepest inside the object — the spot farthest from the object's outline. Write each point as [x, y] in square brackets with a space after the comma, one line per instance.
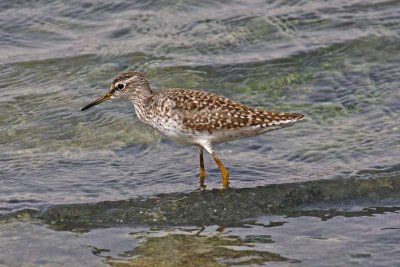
[195, 117]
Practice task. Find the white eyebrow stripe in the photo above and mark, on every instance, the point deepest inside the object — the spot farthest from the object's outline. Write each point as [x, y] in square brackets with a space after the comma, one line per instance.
[130, 79]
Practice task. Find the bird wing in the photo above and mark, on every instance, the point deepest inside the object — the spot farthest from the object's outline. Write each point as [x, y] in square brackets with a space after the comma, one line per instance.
[203, 110]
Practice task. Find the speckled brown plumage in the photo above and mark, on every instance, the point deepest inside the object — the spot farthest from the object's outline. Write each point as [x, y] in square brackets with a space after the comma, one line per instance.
[202, 110]
[195, 117]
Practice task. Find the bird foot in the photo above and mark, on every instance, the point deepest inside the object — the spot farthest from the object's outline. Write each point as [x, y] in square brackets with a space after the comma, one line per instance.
[202, 187]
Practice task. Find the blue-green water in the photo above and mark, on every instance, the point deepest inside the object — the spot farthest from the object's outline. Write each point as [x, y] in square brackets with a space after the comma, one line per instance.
[99, 188]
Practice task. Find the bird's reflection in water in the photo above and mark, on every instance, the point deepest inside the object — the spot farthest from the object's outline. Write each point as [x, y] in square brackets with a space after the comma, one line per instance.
[194, 247]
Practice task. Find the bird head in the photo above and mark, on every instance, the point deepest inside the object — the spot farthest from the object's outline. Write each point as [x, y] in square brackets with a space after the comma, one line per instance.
[131, 85]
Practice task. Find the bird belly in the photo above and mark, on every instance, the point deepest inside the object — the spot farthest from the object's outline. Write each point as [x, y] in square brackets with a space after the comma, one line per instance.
[175, 131]
[225, 135]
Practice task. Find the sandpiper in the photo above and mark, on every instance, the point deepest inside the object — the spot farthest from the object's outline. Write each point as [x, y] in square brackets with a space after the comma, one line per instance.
[195, 117]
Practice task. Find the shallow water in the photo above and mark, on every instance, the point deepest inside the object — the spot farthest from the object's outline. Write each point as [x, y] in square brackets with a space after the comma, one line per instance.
[106, 190]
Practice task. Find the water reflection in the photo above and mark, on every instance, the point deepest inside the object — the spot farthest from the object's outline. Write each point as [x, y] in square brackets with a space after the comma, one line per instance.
[353, 232]
[194, 248]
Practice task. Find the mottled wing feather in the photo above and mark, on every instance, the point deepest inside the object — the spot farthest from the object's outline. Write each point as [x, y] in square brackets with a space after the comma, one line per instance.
[202, 110]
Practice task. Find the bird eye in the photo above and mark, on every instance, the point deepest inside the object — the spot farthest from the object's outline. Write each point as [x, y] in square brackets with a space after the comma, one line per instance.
[120, 86]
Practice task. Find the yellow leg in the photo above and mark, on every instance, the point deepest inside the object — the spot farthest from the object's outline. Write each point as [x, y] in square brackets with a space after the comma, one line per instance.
[224, 171]
[202, 170]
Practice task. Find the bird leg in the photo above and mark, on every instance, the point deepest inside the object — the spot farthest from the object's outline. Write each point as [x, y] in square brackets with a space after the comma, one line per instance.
[224, 171]
[202, 170]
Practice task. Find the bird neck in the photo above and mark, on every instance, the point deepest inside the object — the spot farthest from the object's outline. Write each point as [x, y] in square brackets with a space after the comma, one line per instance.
[141, 100]
[141, 95]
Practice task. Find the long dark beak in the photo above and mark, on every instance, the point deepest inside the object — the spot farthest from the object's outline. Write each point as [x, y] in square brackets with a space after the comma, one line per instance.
[97, 101]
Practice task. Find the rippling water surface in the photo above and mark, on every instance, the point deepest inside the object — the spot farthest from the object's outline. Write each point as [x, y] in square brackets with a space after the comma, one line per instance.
[103, 189]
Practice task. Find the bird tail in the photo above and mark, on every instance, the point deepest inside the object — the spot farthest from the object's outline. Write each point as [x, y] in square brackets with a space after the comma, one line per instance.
[282, 118]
